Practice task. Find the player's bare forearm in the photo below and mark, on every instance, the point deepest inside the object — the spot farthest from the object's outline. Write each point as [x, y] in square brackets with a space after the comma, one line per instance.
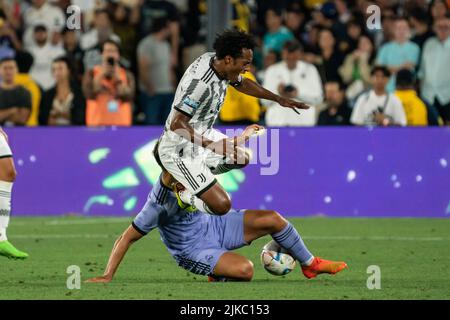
[252, 88]
[119, 250]
[180, 125]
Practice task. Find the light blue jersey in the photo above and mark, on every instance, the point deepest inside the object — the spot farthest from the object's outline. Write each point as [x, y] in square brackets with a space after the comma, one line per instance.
[196, 240]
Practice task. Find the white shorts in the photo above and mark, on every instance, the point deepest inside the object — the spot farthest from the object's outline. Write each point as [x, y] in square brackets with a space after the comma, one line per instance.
[5, 150]
[192, 168]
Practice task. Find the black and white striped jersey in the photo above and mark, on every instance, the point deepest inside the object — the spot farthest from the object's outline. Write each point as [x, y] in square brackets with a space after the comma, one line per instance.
[200, 95]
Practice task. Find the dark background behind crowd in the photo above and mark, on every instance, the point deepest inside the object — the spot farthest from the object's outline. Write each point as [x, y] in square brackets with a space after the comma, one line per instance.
[122, 62]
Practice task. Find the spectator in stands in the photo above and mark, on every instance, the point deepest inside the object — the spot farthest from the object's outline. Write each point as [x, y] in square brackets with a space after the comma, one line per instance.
[329, 58]
[277, 34]
[63, 104]
[109, 89]
[269, 59]
[295, 20]
[355, 71]
[240, 15]
[311, 41]
[438, 9]
[378, 107]
[24, 61]
[91, 42]
[327, 16]
[102, 30]
[151, 10]
[74, 53]
[386, 34]
[354, 32]
[15, 100]
[400, 53]
[43, 53]
[343, 10]
[239, 108]
[125, 19]
[337, 111]
[156, 77]
[435, 69]
[43, 13]
[294, 79]
[415, 109]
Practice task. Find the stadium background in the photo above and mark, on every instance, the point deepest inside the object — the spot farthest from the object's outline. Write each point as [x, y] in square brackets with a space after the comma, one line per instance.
[67, 175]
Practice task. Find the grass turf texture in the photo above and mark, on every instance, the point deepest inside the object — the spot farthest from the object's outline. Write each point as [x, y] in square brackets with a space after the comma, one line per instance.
[413, 254]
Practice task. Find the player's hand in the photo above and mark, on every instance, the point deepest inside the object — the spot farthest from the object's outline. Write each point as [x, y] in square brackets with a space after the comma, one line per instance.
[289, 103]
[102, 279]
[250, 131]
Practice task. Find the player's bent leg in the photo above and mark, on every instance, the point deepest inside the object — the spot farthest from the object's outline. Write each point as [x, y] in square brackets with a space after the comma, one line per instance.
[259, 223]
[8, 172]
[233, 266]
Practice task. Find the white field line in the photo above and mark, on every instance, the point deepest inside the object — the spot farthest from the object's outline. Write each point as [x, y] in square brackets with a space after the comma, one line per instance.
[344, 238]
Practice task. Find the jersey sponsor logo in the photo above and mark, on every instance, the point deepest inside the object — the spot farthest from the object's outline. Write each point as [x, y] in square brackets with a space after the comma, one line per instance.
[191, 103]
[4, 212]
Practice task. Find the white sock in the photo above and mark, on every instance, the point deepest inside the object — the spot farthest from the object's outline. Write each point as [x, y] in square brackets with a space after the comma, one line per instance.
[5, 207]
[3, 234]
[193, 200]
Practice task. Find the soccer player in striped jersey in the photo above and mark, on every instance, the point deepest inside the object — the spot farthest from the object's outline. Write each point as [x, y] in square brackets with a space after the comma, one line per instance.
[203, 243]
[190, 149]
[7, 177]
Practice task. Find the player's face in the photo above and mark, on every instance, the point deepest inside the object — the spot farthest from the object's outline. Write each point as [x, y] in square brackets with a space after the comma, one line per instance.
[240, 65]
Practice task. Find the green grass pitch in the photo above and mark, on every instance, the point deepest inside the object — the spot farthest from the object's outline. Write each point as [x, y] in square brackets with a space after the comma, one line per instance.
[413, 255]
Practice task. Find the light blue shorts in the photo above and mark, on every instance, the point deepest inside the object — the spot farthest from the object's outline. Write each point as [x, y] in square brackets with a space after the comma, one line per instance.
[222, 234]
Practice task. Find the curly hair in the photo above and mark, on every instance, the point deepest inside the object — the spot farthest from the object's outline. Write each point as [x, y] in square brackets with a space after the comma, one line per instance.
[231, 43]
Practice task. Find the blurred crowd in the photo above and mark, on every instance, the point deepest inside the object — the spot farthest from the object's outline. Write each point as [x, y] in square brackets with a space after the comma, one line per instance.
[118, 62]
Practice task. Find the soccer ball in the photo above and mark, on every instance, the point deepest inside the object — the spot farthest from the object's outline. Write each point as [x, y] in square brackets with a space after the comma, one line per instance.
[276, 260]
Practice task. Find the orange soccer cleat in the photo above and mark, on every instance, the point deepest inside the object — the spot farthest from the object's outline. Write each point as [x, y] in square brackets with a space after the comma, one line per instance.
[319, 266]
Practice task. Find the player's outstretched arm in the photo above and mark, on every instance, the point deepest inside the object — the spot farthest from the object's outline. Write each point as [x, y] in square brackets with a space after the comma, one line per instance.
[119, 250]
[252, 88]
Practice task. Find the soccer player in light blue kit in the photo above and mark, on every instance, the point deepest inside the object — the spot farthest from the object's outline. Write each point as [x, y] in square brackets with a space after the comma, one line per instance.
[202, 243]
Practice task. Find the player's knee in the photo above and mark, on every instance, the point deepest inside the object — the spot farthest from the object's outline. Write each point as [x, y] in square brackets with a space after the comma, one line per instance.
[246, 271]
[222, 207]
[278, 219]
[273, 221]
